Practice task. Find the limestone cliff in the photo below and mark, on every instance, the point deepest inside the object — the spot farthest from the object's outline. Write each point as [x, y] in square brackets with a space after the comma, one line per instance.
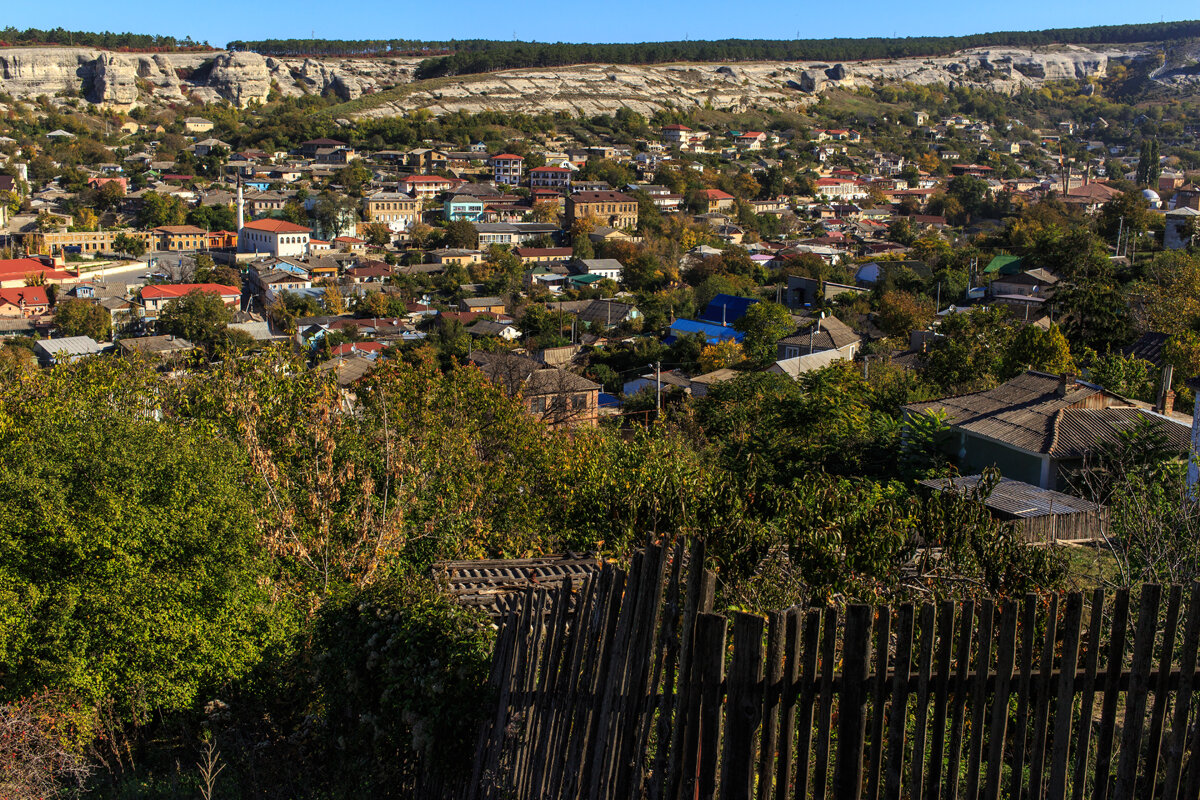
[384, 87]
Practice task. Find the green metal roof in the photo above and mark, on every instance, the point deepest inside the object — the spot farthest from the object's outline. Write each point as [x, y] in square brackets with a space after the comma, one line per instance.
[1004, 265]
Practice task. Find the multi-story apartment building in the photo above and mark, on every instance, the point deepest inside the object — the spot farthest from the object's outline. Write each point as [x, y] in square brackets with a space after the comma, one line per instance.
[613, 209]
[506, 168]
[396, 210]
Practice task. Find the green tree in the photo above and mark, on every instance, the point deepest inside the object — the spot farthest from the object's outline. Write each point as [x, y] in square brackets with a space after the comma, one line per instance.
[581, 247]
[129, 245]
[79, 317]
[762, 326]
[460, 233]
[160, 210]
[1148, 167]
[213, 218]
[901, 313]
[1045, 350]
[129, 552]
[200, 317]
[402, 668]
[1094, 314]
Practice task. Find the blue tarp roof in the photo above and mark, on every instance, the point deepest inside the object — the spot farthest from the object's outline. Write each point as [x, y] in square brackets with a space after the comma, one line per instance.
[733, 308]
[607, 400]
[714, 333]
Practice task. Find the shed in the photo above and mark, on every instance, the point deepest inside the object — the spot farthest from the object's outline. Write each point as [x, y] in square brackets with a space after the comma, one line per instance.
[1043, 515]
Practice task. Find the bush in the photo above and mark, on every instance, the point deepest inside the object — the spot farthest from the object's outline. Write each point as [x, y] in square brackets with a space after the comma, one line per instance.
[402, 673]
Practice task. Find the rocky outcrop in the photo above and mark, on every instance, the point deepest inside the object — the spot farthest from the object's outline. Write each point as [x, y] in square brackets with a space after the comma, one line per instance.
[114, 80]
[124, 80]
[240, 78]
[28, 72]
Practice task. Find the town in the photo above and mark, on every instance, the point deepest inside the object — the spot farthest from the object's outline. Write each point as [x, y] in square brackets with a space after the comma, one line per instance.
[691, 449]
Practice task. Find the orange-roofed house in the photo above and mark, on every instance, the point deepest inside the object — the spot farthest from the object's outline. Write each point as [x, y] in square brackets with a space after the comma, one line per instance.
[155, 298]
[506, 168]
[18, 272]
[751, 140]
[426, 186]
[717, 200]
[276, 237]
[676, 134]
[24, 301]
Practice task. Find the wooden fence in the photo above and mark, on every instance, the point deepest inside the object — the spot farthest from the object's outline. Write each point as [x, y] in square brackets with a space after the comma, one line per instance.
[641, 691]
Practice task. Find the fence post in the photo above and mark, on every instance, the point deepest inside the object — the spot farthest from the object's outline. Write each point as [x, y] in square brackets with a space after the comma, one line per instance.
[710, 662]
[743, 708]
[852, 704]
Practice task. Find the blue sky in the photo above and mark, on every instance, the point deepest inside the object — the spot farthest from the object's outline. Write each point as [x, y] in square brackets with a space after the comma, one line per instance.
[219, 21]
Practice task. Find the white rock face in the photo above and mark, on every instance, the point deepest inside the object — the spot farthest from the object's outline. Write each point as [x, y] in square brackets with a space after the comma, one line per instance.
[240, 78]
[114, 80]
[125, 80]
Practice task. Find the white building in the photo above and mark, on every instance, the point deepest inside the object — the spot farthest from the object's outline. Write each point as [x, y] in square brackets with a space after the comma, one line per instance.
[274, 237]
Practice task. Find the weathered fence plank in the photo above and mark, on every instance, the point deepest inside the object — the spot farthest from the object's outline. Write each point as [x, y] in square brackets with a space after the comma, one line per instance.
[883, 632]
[618, 688]
[1173, 769]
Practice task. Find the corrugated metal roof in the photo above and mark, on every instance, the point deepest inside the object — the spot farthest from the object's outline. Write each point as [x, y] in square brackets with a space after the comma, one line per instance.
[1080, 430]
[1020, 412]
[1015, 498]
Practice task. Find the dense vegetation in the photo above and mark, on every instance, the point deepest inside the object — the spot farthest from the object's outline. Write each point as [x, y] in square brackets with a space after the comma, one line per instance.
[107, 39]
[480, 55]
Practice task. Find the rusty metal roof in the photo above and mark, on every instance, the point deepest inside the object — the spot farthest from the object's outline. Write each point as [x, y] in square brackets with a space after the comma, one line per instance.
[1015, 498]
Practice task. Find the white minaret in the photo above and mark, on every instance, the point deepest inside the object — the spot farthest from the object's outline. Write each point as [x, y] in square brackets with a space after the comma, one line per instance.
[241, 207]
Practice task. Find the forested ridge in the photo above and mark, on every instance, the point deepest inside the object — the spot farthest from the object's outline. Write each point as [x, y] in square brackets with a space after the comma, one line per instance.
[108, 40]
[468, 56]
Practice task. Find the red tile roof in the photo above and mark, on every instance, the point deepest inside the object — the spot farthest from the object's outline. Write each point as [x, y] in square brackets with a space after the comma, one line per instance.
[32, 295]
[508, 157]
[349, 348]
[173, 290]
[716, 194]
[276, 226]
[429, 179]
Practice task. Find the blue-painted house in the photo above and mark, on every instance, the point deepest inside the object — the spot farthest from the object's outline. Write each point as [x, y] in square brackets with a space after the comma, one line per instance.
[726, 309]
[712, 333]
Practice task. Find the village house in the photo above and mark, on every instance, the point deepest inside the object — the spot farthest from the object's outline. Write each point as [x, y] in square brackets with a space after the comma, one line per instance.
[427, 186]
[197, 125]
[716, 200]
[550, 178]
[67, 349]
[463, 207]
[551, 394]
[24, 301]
[180, 237]
[485, 305]
[274, 237]
[608, 268]
[1039, 427]
[156, 297]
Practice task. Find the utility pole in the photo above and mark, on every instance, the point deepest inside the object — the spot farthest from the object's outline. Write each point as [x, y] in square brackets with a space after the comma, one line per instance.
[657, 388]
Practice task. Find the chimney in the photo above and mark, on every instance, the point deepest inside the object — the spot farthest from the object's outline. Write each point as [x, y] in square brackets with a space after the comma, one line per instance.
[1166, 398]
[1065, 382]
